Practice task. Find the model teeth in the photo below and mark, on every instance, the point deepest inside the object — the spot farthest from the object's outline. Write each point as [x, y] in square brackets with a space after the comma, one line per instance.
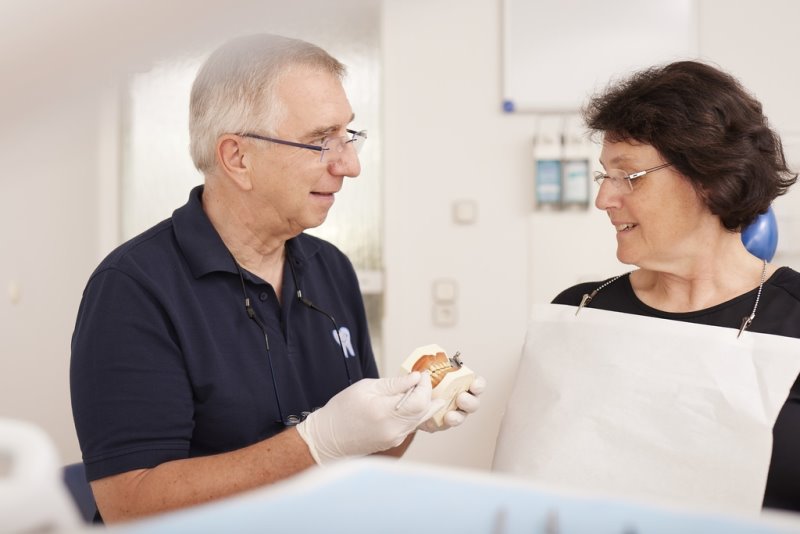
[621, 227]
[438, 365]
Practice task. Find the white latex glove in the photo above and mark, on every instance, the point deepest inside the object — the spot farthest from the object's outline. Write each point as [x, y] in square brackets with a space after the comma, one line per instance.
[362, 418]
[467, 402]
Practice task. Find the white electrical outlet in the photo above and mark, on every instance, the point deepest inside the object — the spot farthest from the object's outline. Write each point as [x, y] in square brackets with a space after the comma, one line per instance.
[444, 314]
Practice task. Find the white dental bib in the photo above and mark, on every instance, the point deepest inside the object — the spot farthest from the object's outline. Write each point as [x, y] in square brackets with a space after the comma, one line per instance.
[652, 409]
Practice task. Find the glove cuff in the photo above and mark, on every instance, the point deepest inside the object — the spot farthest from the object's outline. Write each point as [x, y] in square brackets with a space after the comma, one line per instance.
[306, 437]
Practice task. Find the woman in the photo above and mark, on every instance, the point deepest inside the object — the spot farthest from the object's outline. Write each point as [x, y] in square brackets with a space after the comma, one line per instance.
[689, 162]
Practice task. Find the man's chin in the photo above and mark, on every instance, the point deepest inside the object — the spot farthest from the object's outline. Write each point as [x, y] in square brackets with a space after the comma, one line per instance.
[315, 222]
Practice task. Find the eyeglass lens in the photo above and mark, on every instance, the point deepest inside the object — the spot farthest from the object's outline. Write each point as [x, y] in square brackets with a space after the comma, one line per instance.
[616, 177]
[337, 145]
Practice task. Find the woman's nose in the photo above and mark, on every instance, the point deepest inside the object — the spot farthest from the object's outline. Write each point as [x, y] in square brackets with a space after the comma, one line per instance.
[608, 196]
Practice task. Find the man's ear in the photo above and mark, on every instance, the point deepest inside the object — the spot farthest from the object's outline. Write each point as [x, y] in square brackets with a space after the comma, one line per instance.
[234, 160]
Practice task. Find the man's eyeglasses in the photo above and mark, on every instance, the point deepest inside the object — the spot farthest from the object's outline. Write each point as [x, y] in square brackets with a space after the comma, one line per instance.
[331, 147]
[617, 177]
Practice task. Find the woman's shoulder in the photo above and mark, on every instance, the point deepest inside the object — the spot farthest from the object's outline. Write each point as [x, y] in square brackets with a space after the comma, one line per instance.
[613, 294]
[787, 280]
[572, 295]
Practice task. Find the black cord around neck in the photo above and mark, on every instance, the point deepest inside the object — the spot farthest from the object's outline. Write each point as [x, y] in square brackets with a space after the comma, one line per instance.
[251, 313]
[311, 305]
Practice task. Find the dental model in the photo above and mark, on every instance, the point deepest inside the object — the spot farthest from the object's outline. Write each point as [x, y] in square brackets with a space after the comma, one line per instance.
[449, 376]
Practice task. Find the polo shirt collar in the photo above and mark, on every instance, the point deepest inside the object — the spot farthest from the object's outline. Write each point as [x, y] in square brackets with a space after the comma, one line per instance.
[301, 249]
[201, 245]
[203, 248]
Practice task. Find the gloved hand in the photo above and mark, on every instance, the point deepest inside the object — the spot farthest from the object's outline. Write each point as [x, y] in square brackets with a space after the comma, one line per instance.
[467, 402]
[362, 418]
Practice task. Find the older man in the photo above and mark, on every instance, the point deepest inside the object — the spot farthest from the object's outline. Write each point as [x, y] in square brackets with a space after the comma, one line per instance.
[223, 349]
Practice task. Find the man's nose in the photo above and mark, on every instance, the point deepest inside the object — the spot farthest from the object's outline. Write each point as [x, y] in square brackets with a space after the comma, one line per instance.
[347, 164]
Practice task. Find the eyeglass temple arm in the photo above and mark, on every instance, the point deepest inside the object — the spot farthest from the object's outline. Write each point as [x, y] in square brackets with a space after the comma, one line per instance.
[642, 173]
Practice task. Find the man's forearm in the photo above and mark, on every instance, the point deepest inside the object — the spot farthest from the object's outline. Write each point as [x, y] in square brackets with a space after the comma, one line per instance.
[192, 481]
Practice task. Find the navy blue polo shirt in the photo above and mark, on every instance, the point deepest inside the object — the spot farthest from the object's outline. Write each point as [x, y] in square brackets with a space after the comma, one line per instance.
[166, 364]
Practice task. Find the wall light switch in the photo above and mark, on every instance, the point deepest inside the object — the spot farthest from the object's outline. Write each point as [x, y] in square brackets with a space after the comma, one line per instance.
[444, 290]
[14, 292]
[465, 212]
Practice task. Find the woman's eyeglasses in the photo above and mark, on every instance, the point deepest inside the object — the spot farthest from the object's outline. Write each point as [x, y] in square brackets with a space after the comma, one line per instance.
[619, 177]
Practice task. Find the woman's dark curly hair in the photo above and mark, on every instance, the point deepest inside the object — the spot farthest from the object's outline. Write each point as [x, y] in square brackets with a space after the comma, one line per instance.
[708, 126]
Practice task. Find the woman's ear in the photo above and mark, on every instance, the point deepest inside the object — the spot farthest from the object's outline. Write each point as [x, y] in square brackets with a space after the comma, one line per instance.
[234, 160]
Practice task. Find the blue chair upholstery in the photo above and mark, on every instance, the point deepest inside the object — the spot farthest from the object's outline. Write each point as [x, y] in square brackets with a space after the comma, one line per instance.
[78, 486]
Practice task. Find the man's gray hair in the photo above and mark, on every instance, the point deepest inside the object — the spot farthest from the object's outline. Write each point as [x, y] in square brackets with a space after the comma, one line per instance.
[234, 91]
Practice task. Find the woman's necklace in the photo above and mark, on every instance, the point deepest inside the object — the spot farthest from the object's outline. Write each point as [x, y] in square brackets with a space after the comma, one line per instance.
[587, 297]
[746, 321]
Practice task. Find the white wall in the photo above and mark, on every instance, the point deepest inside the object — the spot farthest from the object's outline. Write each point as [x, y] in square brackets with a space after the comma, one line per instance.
[47, 217]
[445, 139]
